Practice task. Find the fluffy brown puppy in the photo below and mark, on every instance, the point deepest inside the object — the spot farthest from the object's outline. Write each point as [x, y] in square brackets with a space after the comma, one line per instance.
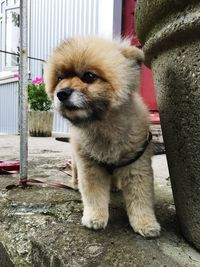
[94, 84]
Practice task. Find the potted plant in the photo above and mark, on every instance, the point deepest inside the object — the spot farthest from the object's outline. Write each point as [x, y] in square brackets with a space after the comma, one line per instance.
[40, 114]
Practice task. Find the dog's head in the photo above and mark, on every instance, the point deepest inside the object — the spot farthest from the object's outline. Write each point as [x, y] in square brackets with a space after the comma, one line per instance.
[90, 76]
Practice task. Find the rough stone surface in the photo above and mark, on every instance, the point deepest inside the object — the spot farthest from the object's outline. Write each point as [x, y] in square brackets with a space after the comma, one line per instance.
[165, 24]
[170, 35]
[40, 226]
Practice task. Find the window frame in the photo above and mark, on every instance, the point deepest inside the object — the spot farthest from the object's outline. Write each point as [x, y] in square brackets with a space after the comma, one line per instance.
[3, 44]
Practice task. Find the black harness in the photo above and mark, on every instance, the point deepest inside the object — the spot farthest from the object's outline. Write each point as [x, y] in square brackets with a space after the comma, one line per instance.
[112, 166]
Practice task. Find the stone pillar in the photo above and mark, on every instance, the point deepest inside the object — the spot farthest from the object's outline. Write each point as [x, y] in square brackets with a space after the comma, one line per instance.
[170, 34]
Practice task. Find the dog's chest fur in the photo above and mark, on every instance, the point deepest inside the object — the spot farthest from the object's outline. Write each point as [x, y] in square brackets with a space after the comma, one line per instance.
[115, 138]
[102, 146]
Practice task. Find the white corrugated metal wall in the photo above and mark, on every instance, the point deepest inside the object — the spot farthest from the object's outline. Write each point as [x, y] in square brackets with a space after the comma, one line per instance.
[50, 21]
[53, 20]
[9, 108]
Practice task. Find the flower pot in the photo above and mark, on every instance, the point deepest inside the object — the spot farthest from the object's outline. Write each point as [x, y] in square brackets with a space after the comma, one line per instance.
[40, 123]
[169, 33]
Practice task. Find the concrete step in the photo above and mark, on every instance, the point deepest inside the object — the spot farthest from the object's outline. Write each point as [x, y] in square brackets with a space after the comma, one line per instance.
[40, 226]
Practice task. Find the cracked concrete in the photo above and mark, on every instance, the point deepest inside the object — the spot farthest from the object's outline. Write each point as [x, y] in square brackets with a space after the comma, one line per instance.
[40, 226]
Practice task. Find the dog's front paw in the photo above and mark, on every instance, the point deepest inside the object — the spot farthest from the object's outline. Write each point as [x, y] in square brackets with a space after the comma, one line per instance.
[147, 229]
[151, 230]
[95, 221]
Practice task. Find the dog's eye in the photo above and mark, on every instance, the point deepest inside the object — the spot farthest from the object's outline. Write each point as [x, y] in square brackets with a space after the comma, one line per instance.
[89, 77]
[59, 78]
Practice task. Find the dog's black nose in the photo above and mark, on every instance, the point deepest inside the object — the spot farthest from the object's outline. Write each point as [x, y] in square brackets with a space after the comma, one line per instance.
[64, 93]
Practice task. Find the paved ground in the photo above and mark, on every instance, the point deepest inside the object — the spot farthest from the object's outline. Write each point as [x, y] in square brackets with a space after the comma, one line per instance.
[40, 226]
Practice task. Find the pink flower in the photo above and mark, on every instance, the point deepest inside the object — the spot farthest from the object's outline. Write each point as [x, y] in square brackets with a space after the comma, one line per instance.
[38, 80]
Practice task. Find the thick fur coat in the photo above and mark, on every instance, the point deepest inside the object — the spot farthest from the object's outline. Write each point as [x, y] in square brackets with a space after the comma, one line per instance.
[94, 83]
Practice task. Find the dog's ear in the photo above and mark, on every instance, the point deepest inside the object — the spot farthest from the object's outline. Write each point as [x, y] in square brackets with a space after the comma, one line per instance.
[131, 52]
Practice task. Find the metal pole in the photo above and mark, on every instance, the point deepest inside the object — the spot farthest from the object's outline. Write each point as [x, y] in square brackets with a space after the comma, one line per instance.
[23, 93]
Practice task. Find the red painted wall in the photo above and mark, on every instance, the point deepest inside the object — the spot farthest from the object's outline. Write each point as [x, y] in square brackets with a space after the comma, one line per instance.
[147, 87]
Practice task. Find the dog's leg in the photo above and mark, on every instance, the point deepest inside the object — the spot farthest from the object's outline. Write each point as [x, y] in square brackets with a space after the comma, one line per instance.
[94, 185]
[74, 175]
[139, 196]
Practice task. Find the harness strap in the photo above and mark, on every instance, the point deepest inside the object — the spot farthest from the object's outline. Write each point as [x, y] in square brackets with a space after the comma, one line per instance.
[111, 167]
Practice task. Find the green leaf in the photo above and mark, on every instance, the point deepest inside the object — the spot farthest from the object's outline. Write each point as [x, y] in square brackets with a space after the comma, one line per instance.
[38, 98]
